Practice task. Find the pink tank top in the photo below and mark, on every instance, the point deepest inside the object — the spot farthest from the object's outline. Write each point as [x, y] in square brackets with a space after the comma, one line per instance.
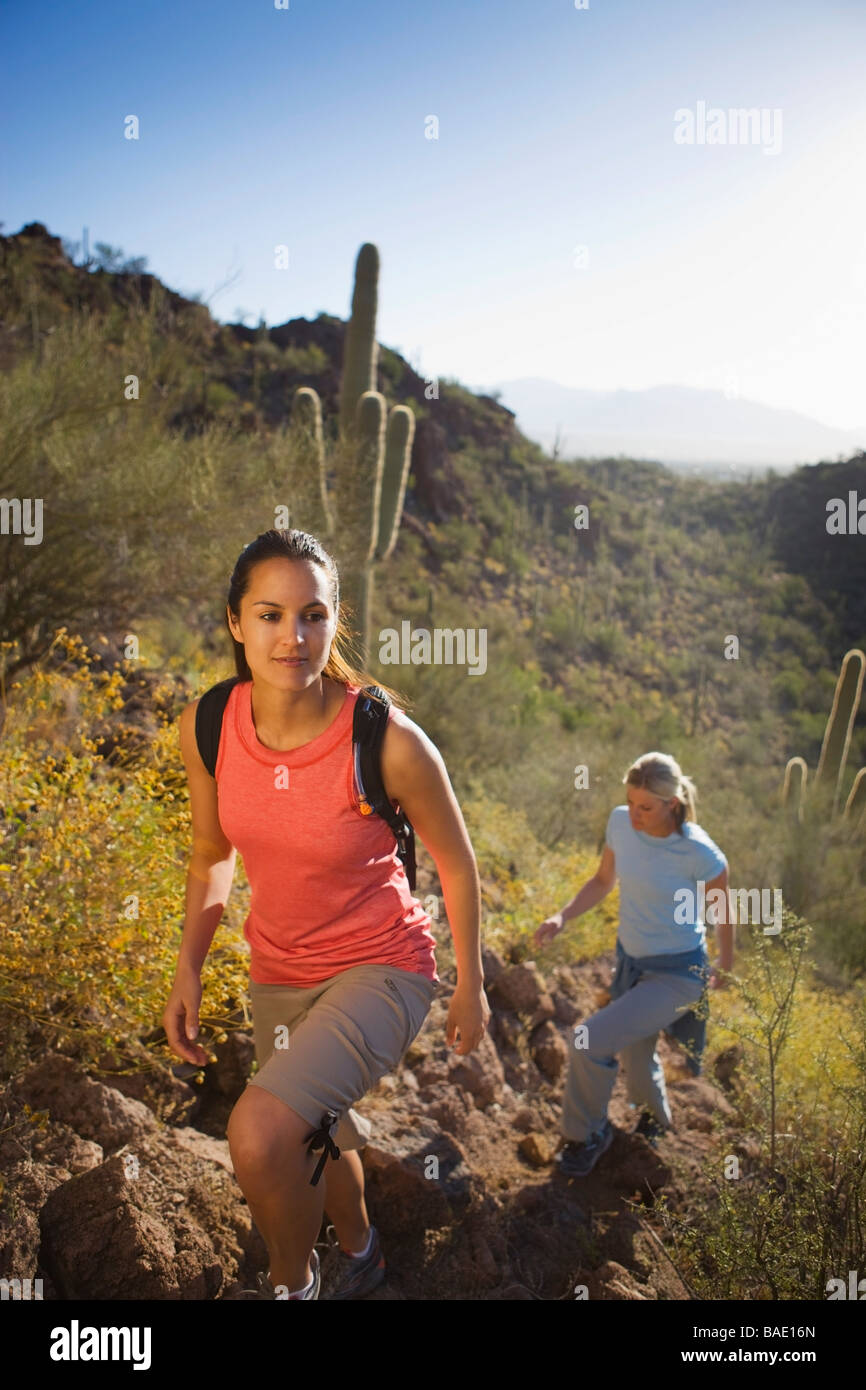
[328, 889]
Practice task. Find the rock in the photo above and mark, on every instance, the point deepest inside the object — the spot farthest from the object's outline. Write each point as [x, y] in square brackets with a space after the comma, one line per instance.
[168, 1097]
[548, 1051]
[492, 964]
[632, 1165]
[486, 1268]
[432, 1072]
[479, 1072]
[94, 1111]
[203, 1146]
[521, 1076]
[506, 1030]
[20, 1239]
[417, 1052]
[449, 1109]
[524, 1119]
[536, 1149]
[25, 1187]
[61, 1146]
[702, 1101]
[161, 1086]
[415, 1180]
[522, 989]
[565, 1011]
[174, 1226]
[229, 1074]
[103, 1240]
[611, 1281]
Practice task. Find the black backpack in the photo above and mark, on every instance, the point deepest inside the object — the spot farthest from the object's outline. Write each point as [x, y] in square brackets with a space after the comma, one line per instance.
[371, 716]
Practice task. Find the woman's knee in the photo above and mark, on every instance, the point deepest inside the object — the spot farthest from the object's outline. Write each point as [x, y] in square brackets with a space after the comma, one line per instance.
[263, 1130]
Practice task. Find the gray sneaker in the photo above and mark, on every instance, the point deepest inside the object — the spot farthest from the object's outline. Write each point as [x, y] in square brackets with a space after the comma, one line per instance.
[577, 1160]
[346, 1277]
[265, 1289]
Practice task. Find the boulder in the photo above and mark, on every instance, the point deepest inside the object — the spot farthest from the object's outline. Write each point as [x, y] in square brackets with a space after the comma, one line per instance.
[565, 1011]
[415, 1179]
[94, 1111]
[167, 1222]
[548, 1051]
[521, 988]
[479, 1072]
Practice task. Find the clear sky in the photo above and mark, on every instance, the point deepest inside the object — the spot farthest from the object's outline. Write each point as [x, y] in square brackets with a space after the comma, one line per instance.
[741, 262]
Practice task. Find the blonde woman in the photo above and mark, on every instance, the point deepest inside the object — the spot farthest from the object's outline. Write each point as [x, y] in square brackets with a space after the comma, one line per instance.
[662, 858]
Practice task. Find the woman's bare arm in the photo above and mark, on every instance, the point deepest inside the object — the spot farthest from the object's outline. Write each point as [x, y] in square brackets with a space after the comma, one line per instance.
[595, 888]
[212, 863]
[208, 881]
[416, 778]
[720, 910]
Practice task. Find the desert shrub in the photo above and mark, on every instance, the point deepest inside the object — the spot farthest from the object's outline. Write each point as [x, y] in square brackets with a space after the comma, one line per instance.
[92, 878]
[782, 1215]
[529, 883]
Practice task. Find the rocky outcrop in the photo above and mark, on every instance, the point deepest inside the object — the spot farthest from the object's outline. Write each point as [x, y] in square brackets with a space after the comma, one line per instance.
[112, 1194]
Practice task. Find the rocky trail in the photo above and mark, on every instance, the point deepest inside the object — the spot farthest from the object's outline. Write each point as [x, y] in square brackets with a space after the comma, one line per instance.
[126, 1190]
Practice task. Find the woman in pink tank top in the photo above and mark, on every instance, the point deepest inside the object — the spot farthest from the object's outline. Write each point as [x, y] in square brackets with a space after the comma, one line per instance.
[341, 952]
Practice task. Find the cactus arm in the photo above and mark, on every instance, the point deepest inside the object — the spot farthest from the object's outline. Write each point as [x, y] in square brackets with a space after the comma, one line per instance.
[794, 790]
[398, 458]
[837, 735]
[306, 420]
[360, 349]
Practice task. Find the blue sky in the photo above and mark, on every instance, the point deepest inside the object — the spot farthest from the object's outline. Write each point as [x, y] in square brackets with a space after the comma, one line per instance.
[704, 264]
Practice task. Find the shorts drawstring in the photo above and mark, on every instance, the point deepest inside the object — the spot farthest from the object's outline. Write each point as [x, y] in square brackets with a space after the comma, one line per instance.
[321, 1139]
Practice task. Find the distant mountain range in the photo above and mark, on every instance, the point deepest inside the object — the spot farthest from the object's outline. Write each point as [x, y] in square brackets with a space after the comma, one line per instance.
[684, 427]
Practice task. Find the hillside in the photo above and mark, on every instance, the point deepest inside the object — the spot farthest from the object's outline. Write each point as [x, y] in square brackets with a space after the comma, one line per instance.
[494, 1227]
[609, 593]
[707, 431]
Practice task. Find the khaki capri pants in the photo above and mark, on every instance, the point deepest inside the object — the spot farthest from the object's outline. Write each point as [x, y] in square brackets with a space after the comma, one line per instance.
[321, 1049]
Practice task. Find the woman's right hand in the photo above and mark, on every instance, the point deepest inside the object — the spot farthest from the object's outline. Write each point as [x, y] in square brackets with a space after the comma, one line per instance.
[549, 928]
[180, 1018]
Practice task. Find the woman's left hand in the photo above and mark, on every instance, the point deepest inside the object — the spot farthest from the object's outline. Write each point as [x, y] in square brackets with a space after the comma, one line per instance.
[468, 1015]
[718, 977]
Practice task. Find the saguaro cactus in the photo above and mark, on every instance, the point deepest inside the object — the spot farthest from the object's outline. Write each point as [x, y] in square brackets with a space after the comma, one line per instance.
[834, 749]
[372, 456]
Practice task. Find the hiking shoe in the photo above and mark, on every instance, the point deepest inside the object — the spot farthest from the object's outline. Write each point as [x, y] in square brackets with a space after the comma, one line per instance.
[649, 1128]
[347, 1277]
[576, 1160]
[264, 1288]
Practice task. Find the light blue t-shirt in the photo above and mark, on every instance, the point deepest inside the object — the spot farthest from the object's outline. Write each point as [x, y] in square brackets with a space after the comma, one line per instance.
[651, 870]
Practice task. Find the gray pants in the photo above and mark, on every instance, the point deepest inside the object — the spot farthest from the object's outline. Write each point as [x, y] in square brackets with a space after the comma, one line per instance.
[627, 1028]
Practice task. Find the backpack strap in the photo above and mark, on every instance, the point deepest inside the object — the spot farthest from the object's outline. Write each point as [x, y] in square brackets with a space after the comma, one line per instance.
[371, 718]
[209, 719]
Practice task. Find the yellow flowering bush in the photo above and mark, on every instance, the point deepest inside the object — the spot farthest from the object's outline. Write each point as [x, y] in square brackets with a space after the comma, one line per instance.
[530, 883]
[92, 874]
